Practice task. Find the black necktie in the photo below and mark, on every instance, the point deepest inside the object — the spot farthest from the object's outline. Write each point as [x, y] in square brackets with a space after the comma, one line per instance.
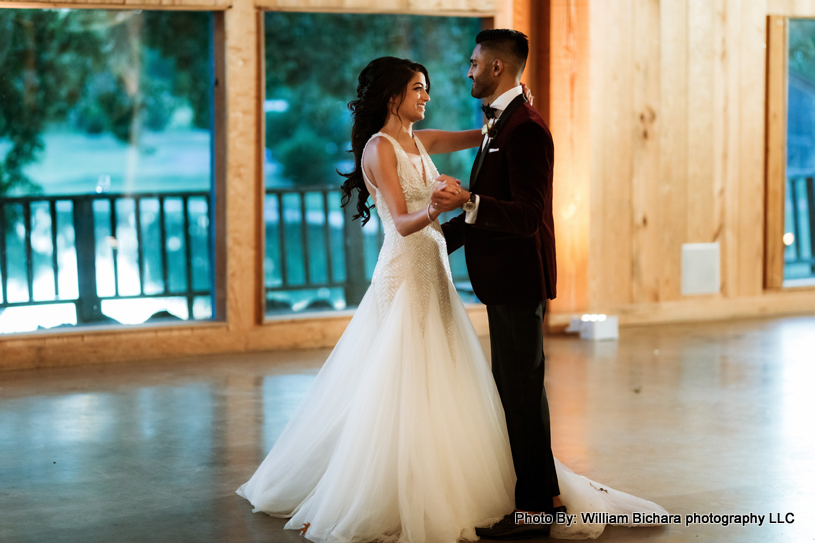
[489, 112]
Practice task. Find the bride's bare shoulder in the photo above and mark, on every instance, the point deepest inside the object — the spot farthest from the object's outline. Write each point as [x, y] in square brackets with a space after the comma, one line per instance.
[379, 151]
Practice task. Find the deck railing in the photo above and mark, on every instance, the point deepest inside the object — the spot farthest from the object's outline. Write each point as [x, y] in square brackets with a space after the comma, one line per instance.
[103, 231]
[164, 242]
[90, 248]
[322, 246]
[801, 200]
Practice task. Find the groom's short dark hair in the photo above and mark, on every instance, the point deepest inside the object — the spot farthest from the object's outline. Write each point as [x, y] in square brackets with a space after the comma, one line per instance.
[508, 45]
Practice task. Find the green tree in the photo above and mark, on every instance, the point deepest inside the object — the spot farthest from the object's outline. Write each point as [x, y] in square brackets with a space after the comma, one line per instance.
[97, 72]
[43, 65]
[313, 62]
[802, 49]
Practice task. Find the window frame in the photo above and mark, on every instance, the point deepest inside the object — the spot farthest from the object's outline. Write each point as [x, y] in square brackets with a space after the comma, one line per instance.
[265, 318]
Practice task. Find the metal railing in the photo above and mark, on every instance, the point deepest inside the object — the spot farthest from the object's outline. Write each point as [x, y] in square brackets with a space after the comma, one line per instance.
[307, 222]
[311, 243]
[801, 190]
[287, 223]
[85, 217]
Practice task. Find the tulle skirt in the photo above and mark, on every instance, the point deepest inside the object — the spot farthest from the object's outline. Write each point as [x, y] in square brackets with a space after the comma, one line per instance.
[402, 437]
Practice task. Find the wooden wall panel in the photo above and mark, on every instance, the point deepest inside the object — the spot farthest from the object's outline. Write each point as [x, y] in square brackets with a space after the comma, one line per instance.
[753, 88]
[706, 88]
[610, 269]
[673, 144]
[598, 12]
[244, 189]
[522, 22]
[646, 218]
[730, 65]
[791, 8]
[776, 157]
[503, 14]
[719, 130]
[701, 18]
[568, 87]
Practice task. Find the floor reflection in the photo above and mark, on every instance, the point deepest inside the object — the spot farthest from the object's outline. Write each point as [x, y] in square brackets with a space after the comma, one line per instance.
[707, 418]
[281, 396]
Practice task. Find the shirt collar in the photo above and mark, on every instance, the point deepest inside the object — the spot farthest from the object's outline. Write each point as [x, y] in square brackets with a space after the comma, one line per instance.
[501, 103]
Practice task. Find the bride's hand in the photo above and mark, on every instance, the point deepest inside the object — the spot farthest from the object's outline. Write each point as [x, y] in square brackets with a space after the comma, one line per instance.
[528, 93]
[448, 194]
[447, 184]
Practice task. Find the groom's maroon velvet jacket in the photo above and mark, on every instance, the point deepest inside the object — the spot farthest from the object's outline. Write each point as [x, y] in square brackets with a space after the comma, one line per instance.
[510, 250]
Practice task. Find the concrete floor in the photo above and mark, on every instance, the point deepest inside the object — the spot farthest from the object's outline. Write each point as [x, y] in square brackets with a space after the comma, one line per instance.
[708, 418]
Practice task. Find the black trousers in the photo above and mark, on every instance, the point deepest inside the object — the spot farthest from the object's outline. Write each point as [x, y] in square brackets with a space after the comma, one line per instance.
[516, 337]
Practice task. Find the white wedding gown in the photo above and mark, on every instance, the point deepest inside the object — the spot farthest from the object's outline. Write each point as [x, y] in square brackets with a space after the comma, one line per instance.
[402, 436]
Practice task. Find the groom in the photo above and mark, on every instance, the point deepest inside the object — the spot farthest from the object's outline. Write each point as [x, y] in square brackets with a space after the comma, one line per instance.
[508, 233]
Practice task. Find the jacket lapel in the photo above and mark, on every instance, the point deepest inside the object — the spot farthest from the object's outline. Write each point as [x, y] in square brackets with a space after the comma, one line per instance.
[479, 159]
[502, 120]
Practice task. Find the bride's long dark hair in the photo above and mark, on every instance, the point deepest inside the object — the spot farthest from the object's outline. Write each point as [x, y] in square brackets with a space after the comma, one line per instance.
[382, 79]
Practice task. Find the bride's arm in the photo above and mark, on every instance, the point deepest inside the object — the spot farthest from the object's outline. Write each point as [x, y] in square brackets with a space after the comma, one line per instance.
[438, 142]
[380, 161]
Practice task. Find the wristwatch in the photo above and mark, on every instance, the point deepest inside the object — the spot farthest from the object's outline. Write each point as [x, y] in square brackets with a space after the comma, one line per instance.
[469, 205]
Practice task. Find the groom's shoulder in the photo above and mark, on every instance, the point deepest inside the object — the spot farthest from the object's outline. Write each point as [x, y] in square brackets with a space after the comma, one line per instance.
[528, 120]
[533, 115]
[528, 114]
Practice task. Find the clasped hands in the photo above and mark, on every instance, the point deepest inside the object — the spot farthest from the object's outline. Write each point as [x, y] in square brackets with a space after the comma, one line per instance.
[447, 194]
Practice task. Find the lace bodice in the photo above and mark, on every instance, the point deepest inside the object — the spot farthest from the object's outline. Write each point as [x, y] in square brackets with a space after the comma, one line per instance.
[420, 259]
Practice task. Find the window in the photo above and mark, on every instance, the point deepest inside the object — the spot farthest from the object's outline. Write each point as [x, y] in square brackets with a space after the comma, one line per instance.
[106, 167]
[316, 258]
[799, 219]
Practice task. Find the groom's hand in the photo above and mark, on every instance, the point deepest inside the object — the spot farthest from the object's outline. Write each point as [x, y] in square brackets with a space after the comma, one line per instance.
[447, 183]
[448, 194]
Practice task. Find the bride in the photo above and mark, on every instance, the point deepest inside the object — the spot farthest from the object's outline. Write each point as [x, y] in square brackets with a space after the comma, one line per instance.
[402, 436]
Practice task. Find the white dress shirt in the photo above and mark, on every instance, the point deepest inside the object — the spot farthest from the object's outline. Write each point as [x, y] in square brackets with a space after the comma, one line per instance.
[500, 104]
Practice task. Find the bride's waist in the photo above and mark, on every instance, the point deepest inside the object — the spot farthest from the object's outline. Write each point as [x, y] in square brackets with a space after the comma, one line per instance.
[427, 237]
[413, 247]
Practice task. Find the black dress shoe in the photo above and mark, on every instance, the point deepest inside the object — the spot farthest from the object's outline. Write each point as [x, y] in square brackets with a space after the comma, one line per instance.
[506, 528]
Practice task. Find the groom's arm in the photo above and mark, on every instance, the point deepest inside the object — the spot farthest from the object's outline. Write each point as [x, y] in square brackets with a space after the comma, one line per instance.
[454, 233]
[530, 154]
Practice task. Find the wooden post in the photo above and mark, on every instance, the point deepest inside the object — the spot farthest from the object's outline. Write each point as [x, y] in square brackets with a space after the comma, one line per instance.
[776, 163]
[354, 245]
[88, 305]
